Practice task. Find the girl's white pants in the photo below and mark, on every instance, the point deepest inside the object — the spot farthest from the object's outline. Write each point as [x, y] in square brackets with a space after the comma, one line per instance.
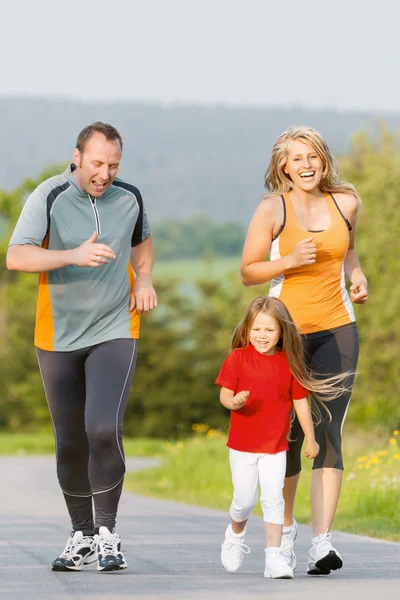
[251, 471]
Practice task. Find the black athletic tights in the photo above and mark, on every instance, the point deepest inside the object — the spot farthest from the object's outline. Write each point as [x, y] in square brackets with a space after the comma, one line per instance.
[87, 391]
[329, 352]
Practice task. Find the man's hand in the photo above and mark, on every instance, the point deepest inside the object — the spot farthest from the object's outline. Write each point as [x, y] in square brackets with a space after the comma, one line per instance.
[90, 254]
[143, 297]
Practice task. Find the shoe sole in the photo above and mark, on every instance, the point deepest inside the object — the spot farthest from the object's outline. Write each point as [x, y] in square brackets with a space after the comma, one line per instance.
[61, 568]
[111, 568]
[268, 575]
[64, 569]
[230, 570]
[323, 566]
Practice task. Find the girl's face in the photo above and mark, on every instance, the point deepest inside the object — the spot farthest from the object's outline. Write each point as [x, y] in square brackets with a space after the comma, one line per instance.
[265, 334]
[304, 166]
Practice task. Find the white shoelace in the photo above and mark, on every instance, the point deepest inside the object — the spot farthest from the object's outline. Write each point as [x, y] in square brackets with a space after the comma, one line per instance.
[287, 543]
[109, 544]
[69, 548]
[324, 540]
[236, 547]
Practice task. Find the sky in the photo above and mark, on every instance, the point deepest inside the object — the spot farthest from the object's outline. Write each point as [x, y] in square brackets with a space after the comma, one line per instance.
[342, 54]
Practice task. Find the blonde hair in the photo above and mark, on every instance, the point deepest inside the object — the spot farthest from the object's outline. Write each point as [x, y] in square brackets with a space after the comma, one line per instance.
[290, 342]
[277, 182]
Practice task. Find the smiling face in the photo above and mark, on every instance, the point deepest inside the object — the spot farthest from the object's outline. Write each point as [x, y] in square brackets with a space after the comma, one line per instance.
[97, 164]
[304, 166]
[265, 334]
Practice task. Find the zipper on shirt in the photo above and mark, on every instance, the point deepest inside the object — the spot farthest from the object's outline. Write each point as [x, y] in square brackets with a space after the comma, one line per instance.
[96, 214]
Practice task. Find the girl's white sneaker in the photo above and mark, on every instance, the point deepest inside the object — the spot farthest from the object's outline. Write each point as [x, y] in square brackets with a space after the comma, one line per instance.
[276, 565]
[233, 550]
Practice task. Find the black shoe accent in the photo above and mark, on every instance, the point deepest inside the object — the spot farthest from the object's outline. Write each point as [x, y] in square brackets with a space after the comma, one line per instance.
[316, 571]
[330, 562]
[111, 563]
[63, 564]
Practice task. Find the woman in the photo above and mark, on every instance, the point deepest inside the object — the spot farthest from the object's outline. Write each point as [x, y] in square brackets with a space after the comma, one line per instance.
[307, 224]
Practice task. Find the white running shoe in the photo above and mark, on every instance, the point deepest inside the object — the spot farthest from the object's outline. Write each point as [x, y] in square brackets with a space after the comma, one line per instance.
[288, 537]
[276, 565]
[109, 555]
[323, 557]
[233, 550]
[79, 551]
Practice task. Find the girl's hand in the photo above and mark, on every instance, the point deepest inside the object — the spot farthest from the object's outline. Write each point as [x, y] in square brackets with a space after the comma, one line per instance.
[239, 400]
[312, 449]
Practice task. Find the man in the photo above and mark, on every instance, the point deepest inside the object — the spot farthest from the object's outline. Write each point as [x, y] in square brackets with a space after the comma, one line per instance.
[83, 232]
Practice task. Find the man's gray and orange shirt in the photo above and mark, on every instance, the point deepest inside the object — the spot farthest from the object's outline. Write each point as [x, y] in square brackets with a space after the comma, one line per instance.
[82, 306]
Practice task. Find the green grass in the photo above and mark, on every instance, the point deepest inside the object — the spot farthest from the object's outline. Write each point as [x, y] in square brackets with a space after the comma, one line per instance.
[196, 471]
[43, 443]
[197, 268]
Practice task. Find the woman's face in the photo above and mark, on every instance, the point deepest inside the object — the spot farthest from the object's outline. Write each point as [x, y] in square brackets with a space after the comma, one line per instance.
[304, 166]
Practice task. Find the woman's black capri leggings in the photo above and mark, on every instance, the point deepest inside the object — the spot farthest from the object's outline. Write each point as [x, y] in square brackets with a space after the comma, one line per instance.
[329, 352]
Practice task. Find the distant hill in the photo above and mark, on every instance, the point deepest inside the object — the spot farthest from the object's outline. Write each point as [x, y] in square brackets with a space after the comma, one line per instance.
[185, 159]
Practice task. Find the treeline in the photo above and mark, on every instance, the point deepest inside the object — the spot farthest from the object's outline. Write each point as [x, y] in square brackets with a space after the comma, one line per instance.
[184, 341]
[185, 159]
[196, 237]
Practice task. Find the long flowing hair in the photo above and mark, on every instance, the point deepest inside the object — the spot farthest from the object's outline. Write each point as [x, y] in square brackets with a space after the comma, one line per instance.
[277, 182]
[290, 342]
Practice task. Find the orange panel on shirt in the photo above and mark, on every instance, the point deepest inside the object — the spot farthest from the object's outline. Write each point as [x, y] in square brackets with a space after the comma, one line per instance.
[44, 328]
[135, 319]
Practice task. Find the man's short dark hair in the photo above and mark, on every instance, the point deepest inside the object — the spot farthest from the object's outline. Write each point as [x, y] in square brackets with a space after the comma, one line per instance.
[107, 130]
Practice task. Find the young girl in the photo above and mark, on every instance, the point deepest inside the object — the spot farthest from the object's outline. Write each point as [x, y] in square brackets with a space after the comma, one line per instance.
[263, 377]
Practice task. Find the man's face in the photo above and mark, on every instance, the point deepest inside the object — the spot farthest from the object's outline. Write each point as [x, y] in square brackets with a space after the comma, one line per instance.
[97, 165]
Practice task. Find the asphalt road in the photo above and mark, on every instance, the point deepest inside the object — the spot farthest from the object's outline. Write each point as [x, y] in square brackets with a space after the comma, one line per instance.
[172, 551]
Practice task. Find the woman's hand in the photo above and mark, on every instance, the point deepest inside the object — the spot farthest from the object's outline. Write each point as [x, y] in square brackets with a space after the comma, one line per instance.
[311, 449]
[304, 253]
[359, 292]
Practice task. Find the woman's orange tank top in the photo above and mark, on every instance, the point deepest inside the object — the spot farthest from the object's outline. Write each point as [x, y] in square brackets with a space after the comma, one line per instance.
[316, 294]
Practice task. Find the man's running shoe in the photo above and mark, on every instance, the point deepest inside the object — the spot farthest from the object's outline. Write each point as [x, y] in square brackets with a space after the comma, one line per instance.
[109, 555]
[79, 552]
[323, 557]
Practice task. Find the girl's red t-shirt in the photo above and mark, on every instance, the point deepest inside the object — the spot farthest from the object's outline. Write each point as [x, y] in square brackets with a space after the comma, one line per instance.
[263, 423]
